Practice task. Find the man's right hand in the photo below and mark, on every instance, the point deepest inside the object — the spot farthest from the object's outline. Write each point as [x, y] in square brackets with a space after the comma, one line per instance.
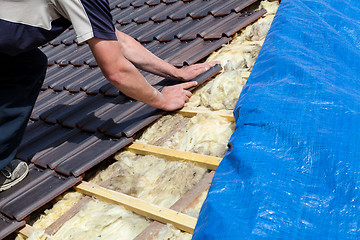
[174, 97]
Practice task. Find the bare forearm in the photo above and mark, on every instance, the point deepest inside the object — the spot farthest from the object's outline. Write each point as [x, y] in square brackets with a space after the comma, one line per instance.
[144, 59]
[130, 82]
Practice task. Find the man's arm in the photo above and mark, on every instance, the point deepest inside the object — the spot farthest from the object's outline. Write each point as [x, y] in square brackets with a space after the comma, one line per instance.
[123, 74]
[145, 60]
[120, 59]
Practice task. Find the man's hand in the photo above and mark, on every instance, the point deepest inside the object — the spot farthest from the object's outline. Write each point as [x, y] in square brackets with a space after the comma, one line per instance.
[174, 97]
[192, 71]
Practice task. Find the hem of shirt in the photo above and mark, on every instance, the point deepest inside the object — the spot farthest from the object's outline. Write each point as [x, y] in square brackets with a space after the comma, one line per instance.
[85, 37]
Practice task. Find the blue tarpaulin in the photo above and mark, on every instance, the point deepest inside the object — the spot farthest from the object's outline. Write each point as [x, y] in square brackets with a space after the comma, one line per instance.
[292, 170]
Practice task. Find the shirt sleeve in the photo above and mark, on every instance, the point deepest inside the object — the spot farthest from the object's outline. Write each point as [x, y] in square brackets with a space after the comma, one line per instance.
[90, 18]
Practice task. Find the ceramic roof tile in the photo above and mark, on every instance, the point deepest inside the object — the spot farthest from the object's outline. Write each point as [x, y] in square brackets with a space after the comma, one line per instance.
[234, 24]
[35, 176]
[7, 226]
[50, 113]
[43, 192]
[229, 6]
[90, 156]
[75, 143]
[46, 140]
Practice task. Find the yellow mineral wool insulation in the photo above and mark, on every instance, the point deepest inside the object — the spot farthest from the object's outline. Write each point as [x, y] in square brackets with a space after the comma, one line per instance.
[171, 233]
[161, 127]
[206, 134]
[237, 56]
[110, 171]
[153, 179]
[221, 92]
[270, 6]
[36, 235]
[256, 31]
[63, 204]
[101, 220]
[224, 90]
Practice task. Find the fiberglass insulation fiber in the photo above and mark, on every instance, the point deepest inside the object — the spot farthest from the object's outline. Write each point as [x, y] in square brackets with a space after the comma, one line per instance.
[223, 91]
[293, 169]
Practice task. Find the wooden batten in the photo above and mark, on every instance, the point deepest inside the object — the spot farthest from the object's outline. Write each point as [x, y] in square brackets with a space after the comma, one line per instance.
[26, 231]
[201, 160]
[192, 111]
[141, 207]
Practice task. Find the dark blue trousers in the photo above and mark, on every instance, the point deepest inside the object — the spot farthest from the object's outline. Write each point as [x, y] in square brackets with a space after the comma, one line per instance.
[21, 77]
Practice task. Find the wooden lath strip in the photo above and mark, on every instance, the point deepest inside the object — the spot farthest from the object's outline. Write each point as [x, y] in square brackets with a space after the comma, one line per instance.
[141, 207]
[55, 226]
[201, 160]
[26, 231]
[184, 202]
[192, 111]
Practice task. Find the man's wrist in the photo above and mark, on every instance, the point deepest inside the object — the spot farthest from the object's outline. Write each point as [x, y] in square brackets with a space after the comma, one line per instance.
[157, 99]
[177, 74]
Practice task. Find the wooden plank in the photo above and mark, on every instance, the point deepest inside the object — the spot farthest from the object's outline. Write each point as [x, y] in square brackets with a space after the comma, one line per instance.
[55, 226]
[58, 223]
[26, 231]
[184, 202]
[202, 160]
[192, 111]
[141, 207]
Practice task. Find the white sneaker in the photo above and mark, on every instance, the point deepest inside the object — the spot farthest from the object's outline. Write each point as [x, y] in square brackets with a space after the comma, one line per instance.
[12, 174]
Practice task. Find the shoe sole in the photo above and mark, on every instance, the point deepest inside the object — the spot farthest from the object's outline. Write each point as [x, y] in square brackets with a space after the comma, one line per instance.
[9, 185]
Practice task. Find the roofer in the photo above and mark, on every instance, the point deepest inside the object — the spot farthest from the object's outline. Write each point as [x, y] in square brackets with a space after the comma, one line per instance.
[26, 25]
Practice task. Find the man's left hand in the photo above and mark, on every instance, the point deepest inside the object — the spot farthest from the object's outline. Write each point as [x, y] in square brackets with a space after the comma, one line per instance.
[192, 71]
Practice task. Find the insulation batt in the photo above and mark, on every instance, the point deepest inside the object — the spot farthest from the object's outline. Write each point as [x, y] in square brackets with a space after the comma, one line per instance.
[172, 233]
[162, 127]
[223, 91]
[63, 204]
[100, 220]
[270, 6]
[153, 179]
[220, 93]
[206, 134]
[256, 31]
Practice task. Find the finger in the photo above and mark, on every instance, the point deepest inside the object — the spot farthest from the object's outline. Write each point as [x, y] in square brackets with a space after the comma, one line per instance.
[187, 99]
[188, 93]
[213, 63]
[187, 85]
